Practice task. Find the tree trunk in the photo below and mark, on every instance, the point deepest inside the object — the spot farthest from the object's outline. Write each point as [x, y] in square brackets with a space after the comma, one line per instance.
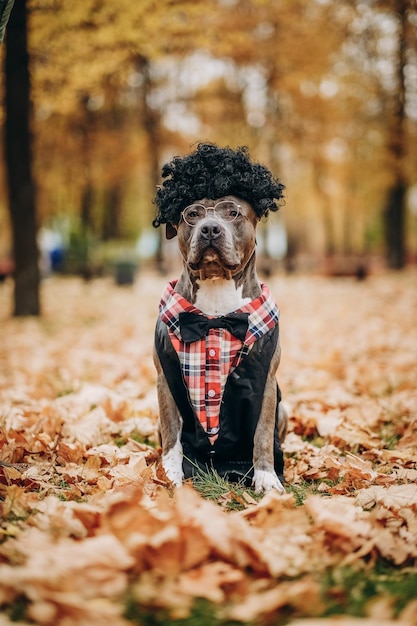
[150, 123]
[112, 209]
[395, 209]
[326, 213]
[21, 187]
[394, 225]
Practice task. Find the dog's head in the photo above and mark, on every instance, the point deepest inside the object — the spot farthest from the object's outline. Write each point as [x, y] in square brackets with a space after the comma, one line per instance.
[217, 237]
[213, 174]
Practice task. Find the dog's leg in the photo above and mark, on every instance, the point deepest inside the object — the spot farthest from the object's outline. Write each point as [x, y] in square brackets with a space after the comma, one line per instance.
[265, 477]
[172, 463]
[282, 422]
[170, 426]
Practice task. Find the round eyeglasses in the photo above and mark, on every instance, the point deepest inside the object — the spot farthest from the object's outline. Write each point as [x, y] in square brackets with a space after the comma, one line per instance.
[226, 210]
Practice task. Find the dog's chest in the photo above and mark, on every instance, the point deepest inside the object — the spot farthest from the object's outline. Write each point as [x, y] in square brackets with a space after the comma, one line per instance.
[219, 296]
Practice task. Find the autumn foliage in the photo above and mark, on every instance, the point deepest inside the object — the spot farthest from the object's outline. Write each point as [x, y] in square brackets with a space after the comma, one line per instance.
[92, 533]
[116, 90]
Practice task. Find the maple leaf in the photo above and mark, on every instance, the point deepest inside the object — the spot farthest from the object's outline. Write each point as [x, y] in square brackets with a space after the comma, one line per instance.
[340, 518]
[393, 497]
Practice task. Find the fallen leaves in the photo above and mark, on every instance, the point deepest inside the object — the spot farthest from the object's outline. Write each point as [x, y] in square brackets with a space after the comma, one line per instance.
[90, 523]
[393, 497]
[62, 577]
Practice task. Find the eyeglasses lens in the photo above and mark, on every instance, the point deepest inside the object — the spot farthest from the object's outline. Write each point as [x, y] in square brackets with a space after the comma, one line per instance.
[227, 210]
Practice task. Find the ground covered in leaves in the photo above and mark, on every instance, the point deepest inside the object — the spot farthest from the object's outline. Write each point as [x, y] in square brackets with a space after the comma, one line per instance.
[93, 534]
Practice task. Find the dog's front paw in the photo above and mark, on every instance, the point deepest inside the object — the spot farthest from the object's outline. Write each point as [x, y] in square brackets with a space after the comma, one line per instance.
[265, 481]
[172, 464]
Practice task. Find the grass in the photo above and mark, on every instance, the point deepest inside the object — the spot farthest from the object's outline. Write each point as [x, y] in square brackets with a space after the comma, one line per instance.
[203, 613]
[237, 496]
[233, 496]
[304, 488]
[16, 611]
[389, 435]
[349, 591]
[136, 436]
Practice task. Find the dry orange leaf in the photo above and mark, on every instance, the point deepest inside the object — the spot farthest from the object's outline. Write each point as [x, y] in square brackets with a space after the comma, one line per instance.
[89, 518]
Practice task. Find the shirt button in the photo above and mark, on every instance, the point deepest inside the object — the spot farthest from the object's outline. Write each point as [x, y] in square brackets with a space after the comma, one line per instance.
[211, 393]
[212, 352]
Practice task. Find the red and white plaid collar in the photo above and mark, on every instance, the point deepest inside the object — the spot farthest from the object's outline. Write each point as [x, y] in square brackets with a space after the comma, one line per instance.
[207, 363]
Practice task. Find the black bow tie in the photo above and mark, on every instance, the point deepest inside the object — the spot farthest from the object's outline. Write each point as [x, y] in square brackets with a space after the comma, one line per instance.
[194, 326]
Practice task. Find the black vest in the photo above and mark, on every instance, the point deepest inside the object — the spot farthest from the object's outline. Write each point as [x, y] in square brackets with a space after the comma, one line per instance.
[231, 453]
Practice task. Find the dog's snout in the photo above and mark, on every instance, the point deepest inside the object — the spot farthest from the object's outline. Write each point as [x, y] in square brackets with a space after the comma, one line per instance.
[211, 230]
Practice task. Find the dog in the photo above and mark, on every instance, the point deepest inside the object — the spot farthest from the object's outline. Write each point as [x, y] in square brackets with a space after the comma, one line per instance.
[217, 346]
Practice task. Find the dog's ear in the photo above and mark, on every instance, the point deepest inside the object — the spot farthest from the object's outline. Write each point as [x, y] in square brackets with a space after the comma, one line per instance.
[170, 231]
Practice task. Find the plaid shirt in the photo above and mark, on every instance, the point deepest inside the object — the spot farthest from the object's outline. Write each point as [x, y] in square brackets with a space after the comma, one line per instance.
[207, 363]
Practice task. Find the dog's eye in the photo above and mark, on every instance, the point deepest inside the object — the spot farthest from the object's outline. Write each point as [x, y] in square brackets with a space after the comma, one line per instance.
[193, 214]
[227, 210]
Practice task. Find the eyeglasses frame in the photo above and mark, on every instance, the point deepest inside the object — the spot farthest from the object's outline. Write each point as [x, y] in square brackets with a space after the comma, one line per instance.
[212, 208]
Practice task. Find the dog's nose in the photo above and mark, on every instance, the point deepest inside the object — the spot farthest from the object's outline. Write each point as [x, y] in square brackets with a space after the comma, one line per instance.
[210, 231]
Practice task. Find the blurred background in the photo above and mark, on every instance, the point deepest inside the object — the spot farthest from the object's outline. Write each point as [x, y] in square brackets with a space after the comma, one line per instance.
[98, 94]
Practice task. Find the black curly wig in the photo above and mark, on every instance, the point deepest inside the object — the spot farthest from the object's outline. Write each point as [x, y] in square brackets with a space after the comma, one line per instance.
[213, 172]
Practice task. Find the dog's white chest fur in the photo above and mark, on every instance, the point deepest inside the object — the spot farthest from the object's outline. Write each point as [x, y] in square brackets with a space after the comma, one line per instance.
[218, 296]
